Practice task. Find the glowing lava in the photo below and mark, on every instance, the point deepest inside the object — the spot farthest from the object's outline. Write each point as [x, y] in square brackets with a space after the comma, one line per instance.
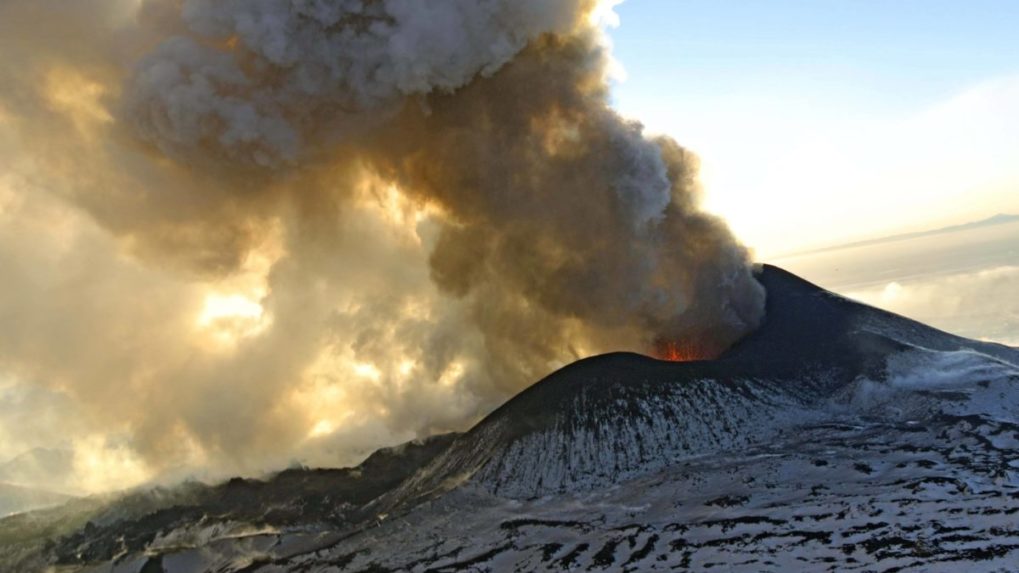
[677, 351]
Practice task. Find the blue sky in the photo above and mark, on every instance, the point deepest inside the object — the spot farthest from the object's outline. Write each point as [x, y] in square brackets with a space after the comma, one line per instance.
[800, 109]
[883, 55]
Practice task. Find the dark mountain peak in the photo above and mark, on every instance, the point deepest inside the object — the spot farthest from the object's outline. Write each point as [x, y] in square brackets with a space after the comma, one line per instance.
[772, 276]
[806, 325]
[604, 418]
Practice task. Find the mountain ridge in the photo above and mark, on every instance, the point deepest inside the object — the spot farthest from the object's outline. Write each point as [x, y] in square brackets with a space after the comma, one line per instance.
[822, 340]
[998, 219]
[625, 462]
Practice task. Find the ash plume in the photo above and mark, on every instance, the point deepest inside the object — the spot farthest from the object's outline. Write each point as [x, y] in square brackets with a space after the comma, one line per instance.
[426, 205]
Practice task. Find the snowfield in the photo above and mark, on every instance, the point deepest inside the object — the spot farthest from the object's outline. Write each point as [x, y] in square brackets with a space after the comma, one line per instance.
[837, 437]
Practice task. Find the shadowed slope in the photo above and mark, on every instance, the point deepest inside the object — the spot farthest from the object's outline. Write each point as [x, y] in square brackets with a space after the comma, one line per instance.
[99, 531]
[808, 325]
[609, 417]
[820, 363]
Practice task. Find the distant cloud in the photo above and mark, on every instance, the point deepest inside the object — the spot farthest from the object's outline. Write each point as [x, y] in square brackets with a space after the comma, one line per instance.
[980, 304]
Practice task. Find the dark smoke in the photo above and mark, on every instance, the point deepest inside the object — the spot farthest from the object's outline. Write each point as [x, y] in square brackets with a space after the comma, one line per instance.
[443, 203]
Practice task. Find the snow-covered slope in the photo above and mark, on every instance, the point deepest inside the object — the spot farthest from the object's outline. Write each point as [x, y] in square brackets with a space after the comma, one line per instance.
[836, 437]
[609, 418]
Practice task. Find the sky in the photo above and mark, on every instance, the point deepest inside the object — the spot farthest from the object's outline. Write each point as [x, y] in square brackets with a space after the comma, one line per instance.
[824, 122]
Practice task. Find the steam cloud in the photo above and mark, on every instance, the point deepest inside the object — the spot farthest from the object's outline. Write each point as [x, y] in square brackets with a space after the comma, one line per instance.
[410, 210]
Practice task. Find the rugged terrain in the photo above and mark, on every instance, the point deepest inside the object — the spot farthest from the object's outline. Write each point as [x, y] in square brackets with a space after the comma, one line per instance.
[835, 437]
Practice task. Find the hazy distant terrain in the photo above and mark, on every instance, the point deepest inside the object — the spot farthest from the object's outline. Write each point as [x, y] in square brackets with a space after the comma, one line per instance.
[999, 219]
[14, 499]
[963, 279]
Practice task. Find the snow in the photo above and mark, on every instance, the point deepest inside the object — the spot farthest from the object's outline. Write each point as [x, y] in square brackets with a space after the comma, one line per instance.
[761, 484]
[876, 499]
[904, 459]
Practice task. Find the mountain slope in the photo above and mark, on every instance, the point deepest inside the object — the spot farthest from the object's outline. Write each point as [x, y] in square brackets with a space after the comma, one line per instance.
[835, 437]
[90, 530]
[610, 417]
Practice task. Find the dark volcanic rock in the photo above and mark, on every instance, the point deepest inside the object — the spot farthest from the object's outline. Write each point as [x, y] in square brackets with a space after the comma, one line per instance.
[610, 417]
[837, 436]
[294, 497]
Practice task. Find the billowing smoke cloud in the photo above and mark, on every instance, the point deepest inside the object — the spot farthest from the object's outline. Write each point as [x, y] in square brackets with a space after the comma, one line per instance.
[284, 229]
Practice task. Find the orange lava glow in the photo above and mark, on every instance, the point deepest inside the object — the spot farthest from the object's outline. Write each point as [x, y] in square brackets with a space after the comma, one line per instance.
[677, 351]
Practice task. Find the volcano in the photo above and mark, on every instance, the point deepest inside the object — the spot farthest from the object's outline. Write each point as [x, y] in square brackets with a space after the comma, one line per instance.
[606, 418]
[835, 437]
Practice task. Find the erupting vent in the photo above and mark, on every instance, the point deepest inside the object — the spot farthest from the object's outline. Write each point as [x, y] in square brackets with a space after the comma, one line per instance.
[680, 351]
